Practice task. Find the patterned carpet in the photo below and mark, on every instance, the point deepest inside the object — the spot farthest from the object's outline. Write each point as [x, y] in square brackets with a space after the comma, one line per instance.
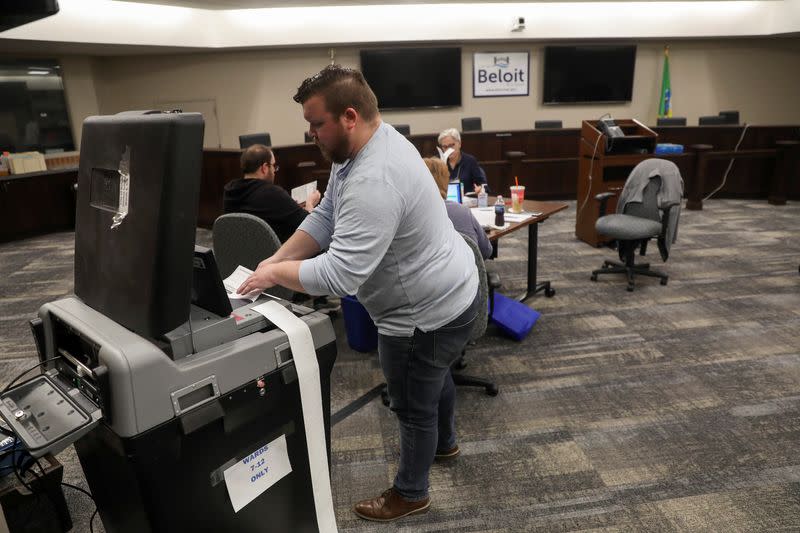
[672, 408]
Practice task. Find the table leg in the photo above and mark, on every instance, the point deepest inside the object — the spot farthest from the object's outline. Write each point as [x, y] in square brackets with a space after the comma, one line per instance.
[533, 285]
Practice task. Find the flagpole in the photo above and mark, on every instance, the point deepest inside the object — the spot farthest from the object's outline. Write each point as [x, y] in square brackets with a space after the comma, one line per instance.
[665, 100]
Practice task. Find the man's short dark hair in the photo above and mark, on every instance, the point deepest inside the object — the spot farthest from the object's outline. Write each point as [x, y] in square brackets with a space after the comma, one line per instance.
[253, 157]
[341, 88]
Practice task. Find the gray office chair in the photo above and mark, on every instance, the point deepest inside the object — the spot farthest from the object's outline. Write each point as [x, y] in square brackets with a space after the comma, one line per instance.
[254, 138]
[655, 215]
[671, 121]
[488, 282]
[244, 239]
[471, 124]
[712, 120]
[403, 129]
[547, 124]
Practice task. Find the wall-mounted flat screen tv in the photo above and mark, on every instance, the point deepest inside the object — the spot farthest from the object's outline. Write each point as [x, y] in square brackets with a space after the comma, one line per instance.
[405, 78]
[591, 73]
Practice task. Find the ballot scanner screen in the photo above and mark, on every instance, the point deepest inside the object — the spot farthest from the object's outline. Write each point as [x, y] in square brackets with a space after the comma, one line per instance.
[136, 217]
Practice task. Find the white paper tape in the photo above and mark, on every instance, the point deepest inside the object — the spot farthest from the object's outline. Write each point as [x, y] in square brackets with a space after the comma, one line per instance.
[305, 362]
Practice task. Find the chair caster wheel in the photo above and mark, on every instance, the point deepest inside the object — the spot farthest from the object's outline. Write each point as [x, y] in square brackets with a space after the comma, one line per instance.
[385, 398]
[594, 277]
[492, 390]
[630, 288]
[460, 364]
[549, 292]
[663, 281]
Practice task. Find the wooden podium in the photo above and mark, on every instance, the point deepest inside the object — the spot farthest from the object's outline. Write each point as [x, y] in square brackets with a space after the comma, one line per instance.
[603, 166]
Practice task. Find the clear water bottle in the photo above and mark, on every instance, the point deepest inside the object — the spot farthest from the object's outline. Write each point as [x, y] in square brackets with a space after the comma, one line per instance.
[499, 212]
[483, 197]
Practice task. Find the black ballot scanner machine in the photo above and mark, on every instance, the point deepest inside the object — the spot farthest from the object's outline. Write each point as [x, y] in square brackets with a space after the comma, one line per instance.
[159, 384]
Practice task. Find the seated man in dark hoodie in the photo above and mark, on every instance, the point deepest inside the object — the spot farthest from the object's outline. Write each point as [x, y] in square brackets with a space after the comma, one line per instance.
[257, 194]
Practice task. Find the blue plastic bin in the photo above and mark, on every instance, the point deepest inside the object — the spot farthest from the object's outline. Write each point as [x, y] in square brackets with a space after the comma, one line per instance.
[669, 148]
[362, 335]
[513, 318]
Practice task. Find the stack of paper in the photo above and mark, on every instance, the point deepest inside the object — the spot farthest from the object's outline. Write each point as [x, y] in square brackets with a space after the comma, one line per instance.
[300, 194]
[25, 162]
[485, 217]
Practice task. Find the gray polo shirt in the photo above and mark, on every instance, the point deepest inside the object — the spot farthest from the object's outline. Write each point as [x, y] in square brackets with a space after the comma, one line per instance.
[389, 240]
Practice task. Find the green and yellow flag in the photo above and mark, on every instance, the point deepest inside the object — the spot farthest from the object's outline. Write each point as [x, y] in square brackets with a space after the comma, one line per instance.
[665, 107]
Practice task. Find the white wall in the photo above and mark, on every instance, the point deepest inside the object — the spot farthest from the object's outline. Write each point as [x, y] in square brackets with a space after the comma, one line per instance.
[253, 89]
[79, 91]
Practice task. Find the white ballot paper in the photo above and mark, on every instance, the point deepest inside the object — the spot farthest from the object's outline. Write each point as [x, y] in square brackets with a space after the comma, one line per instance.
[257, 472]
[305, 361]
[300, 194]
[444, 155]
[235, 280]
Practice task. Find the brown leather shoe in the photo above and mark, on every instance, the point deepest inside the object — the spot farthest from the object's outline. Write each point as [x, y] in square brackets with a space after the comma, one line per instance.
[390, 506]
[443, 455]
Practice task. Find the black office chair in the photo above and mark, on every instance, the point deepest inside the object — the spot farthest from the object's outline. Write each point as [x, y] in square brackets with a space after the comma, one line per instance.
[403, 129]
[547, 124]
[254, 138]
[671, 121]
[471, 124]
[655, 215]
[731, 117]
[712, 120]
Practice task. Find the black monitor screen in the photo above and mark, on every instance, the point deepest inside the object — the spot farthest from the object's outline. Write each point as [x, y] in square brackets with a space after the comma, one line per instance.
[136, 217]
[405, 78]
[580, 74]
[208, 291]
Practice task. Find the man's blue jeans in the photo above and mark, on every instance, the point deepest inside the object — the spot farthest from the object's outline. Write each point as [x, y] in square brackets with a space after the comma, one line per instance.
[423, 395]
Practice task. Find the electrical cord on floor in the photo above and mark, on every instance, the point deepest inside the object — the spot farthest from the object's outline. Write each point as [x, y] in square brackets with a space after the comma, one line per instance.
[19, 475]
[725, 176]
[89, 494]
[591, 166]
[16, 468]
[11, 383]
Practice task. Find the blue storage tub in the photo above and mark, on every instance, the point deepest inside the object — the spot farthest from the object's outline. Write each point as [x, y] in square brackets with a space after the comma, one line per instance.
[513, 318]
[362, 335]
[669, 148]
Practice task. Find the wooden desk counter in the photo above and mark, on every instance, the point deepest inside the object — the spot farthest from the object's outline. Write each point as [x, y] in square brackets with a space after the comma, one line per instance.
[37, 203]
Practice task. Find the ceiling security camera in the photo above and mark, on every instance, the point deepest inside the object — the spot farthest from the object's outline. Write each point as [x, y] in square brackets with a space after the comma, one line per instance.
[518, 24]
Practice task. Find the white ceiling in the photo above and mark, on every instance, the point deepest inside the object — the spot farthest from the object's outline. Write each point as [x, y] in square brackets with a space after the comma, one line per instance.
[256, 4]
[111, 27]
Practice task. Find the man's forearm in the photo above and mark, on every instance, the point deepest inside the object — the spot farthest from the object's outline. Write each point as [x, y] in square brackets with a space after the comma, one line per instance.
[299, 246]
[286, 274]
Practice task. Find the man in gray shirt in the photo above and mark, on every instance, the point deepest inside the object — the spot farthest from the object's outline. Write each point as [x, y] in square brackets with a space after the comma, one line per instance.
[388, 240]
